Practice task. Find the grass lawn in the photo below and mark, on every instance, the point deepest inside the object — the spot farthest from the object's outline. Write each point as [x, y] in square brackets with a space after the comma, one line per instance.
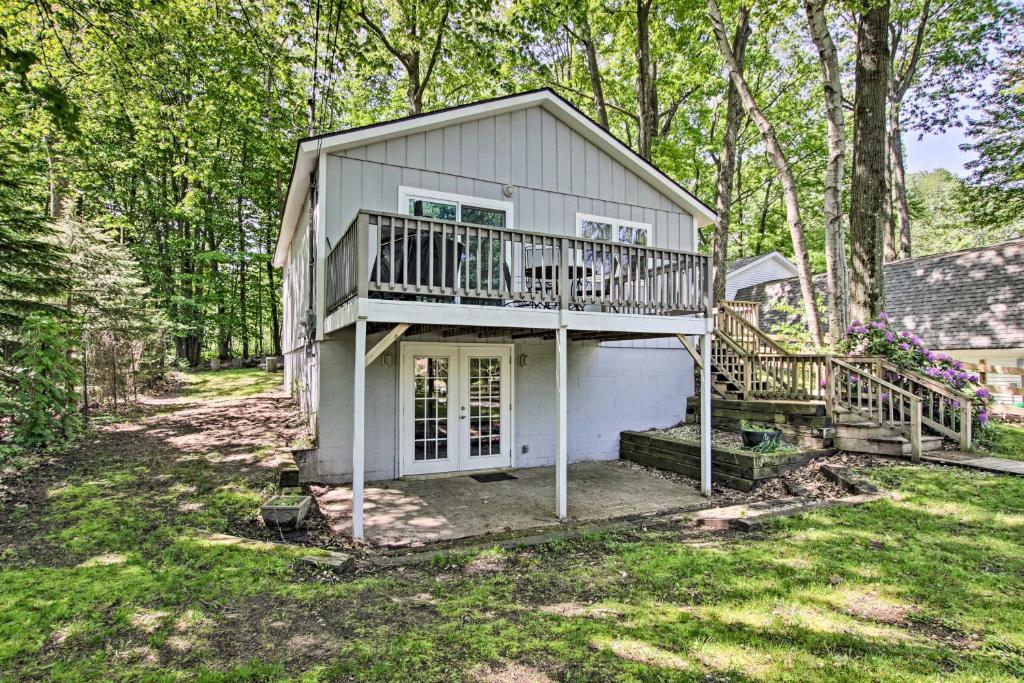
[1007, 441]
[229, 384]
[108, 570]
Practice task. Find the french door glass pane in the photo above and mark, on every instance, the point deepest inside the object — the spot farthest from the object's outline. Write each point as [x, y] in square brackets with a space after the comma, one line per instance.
[430, 408]
[484, 406]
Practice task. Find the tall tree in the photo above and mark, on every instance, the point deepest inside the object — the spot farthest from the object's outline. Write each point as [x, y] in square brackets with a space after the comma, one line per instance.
[782, 168]
[727, 159]
[835, 233]
[869, 187]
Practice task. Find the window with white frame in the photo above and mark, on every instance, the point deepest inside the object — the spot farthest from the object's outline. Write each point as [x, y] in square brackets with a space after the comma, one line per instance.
[613, 229]
[447, 206]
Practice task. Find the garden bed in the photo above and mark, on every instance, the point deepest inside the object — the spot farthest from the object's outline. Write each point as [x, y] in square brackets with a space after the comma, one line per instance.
[678, 450]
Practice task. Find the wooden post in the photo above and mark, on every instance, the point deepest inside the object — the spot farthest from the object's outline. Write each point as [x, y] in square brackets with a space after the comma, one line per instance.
[562, 440]
[748, 377]
[363, 256]
[705, 417]
[915, 429]
[358, 426]
[982, 372]
[966, 424]
[563, 274]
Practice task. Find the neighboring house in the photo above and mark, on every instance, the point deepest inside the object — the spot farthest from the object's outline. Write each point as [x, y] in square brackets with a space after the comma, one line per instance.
[753, 270]
[490, 286]
[967, 303]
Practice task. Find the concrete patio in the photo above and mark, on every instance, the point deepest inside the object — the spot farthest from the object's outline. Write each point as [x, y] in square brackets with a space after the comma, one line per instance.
[426, 510]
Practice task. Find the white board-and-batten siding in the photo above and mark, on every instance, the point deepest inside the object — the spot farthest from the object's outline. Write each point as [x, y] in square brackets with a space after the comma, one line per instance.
[765, 270]
[555, 173]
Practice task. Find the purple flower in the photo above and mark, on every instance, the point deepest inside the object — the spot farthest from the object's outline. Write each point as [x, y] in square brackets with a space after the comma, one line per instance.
[958, 365]
[932, 371]
[915, 341]
[824, 383]
[904, 347]
[876, 325]
[904, 334]
[932, 356]
[889, 337]
[955, 404]
[983, 417]
[883, 316]
[983, 393]
[972, 379]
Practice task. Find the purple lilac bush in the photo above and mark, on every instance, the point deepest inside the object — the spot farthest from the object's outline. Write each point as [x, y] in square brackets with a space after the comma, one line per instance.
[904, 349]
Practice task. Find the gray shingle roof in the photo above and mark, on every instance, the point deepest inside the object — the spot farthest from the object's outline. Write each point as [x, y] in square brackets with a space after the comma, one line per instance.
[971, 299]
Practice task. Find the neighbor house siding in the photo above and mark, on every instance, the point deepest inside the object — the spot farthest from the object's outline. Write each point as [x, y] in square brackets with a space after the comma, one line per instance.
[763, 271]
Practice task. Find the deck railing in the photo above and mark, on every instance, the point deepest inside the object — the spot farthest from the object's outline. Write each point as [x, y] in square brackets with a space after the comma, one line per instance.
[409, 257]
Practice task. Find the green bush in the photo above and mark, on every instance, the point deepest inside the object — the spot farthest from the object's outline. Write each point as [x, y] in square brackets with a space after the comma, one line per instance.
[44, 385]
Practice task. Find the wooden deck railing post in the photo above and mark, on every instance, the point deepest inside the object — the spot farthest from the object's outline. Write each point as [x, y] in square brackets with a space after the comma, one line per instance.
[915, 429]
[748, 376]
[362, 253]
[563, 274]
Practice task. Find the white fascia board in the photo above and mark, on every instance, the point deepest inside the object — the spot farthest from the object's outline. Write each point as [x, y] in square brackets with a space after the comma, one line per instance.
[298, 189]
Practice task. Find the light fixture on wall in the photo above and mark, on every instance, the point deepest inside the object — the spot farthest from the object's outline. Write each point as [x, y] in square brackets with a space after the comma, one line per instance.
[523, 360]
[507, 190]
[385, 359]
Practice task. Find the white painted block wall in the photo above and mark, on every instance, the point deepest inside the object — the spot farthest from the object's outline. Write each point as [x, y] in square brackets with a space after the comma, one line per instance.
[610, 390]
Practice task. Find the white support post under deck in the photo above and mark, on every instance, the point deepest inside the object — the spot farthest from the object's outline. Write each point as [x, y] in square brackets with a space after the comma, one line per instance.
[358, 427]
[562, 442]
[705, 416]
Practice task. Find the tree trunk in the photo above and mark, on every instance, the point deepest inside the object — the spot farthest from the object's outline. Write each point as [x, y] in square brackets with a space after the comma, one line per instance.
[838, 278]
[275, 323]
[782, 169]
[594, 69]
[646, 90]
[901, 226]
[727, 162]
[869, 187]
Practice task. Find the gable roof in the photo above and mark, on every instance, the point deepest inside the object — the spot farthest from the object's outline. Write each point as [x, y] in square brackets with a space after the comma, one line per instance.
[309, 149]
[970, 299]
[741, 264]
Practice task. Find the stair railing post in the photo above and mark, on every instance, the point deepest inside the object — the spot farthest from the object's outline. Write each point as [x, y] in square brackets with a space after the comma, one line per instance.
[966, 424]
[563, 275]
[748, 376]
[915, 429]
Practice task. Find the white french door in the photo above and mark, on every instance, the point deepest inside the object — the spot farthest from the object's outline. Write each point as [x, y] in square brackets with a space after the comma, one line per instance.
[455, 407]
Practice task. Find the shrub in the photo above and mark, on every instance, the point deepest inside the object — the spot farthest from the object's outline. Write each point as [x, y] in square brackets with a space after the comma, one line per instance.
[904, 349]
[44, 385]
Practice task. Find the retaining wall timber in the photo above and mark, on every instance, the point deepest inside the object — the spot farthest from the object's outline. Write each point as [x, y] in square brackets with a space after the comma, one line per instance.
[743, 470]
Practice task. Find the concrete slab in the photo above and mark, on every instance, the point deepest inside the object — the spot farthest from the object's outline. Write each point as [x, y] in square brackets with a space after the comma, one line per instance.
[414, 512]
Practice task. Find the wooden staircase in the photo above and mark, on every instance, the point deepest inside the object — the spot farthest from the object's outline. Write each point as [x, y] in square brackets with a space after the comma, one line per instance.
[872, 406]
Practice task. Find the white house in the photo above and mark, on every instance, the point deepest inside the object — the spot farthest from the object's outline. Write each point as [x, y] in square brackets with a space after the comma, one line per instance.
[497, 285]
[754, 270]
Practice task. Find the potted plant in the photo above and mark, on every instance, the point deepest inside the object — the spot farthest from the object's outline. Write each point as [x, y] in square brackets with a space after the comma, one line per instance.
[285, 511]
[755, 433]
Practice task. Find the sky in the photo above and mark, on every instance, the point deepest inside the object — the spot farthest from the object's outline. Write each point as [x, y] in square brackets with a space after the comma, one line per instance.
[937, 151]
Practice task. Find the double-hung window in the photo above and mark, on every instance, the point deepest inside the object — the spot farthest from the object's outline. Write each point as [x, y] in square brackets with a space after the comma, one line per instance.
[611, 230]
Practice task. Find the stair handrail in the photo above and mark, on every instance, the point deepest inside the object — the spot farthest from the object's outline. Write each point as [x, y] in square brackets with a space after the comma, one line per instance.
[761, 336]
[875, 405]
[933, 412]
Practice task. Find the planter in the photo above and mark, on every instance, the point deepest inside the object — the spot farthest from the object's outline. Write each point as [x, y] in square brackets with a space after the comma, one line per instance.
[753, 437]
[215, 363]
[285, 511]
